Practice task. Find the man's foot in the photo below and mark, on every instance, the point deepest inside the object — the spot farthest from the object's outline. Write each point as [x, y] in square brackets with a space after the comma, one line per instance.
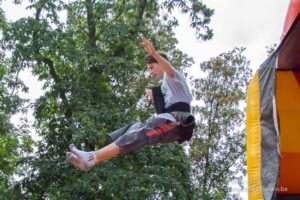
[81, 159]
[74, 160]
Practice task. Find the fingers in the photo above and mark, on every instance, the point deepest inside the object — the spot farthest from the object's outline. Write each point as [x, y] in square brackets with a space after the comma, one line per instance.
[148, 94]
[140, 35]
[145, 42]
[148, 46]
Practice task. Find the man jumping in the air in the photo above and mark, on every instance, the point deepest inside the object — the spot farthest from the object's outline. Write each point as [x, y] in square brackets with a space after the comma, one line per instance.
[173, 121]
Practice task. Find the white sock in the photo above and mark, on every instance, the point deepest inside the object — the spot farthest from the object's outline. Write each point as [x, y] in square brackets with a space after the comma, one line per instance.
[74, 160]
[87, 159]
[87, 155]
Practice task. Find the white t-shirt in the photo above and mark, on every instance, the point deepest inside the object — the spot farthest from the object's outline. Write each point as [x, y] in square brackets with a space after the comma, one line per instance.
[175, 89]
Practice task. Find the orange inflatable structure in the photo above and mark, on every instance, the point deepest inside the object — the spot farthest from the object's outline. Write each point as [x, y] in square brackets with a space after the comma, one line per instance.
[273, 119]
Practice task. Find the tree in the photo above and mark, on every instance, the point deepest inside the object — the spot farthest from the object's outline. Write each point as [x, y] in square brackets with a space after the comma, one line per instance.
[8, 139]
[91, 64]
[14, 141]
[218, 146]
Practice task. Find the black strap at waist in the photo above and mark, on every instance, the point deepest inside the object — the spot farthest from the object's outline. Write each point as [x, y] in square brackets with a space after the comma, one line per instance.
[159, 103]
[179, 106]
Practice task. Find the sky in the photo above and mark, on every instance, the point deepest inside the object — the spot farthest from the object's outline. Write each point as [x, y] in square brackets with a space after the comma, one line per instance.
[253, 24]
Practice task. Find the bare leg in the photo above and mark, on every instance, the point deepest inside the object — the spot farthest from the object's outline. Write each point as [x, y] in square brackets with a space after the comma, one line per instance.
[107, 152]
[85, 160]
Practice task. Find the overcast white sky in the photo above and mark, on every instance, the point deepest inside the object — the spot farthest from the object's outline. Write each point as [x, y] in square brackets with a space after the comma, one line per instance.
[254, 24]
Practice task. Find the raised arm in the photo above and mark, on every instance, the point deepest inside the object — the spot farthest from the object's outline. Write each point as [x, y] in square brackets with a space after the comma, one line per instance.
[165, 64]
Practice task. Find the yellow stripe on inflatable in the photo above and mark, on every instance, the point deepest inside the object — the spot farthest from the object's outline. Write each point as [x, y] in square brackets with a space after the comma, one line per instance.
[254, 140]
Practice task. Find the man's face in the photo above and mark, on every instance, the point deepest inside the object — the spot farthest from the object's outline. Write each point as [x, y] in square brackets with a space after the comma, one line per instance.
[156, 70]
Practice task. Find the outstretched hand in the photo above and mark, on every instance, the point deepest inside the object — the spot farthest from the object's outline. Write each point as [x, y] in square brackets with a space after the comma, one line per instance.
[148, 94]
[148, 46]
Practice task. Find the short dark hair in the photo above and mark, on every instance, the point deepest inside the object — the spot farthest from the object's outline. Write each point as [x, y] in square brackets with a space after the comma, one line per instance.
[150, 59]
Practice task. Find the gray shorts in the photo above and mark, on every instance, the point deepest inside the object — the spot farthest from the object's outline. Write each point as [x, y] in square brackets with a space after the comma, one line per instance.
[157, 129]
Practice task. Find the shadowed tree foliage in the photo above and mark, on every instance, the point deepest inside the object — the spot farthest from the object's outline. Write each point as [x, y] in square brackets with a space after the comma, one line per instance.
[218, 146]
[89, 58]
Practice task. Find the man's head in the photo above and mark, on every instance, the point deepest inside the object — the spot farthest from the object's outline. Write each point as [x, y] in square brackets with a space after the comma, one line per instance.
[154, 68]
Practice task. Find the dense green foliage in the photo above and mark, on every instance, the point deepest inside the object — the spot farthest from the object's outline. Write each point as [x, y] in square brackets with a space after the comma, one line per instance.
[14, 141]
[92, 70]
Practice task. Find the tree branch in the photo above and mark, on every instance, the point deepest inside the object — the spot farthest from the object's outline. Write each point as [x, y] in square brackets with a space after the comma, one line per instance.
[225, 169]
[140, 14]
[91, 23]
[16, 80]
[48, 62]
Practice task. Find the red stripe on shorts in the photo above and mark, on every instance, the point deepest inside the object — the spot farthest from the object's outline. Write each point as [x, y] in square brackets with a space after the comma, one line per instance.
[163, 129]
